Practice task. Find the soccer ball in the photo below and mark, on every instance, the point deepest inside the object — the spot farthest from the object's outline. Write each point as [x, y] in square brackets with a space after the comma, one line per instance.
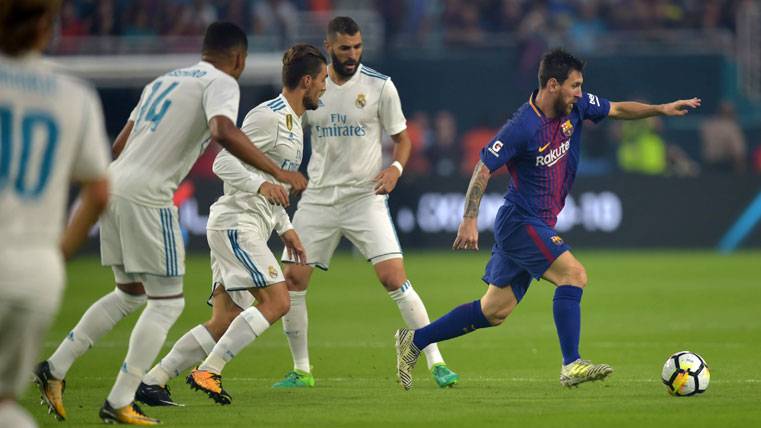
[685, 374]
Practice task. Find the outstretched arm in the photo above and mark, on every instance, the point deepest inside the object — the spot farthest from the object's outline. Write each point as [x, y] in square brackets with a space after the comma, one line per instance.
[467, 233]
[628, 110]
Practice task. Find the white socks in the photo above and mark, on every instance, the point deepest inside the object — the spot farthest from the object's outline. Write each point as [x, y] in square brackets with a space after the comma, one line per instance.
[190, 349]
[145, 342]
[295, 325]
[14, 416]
[99, 319]
[415, 316]
[246, 327]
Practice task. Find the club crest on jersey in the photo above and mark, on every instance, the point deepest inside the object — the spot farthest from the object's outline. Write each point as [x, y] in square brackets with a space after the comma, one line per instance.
[361, 101]
[567, 128]
[557, 240]
[272, 271]
[289, 121]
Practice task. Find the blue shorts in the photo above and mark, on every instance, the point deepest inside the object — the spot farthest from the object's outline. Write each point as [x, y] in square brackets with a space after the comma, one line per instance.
[524, 249]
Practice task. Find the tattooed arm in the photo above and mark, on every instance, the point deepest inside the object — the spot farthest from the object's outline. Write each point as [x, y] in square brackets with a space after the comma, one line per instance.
[467, 233]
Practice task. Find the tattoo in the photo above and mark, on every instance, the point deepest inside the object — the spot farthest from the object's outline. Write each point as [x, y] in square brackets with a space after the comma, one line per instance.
[476, 189]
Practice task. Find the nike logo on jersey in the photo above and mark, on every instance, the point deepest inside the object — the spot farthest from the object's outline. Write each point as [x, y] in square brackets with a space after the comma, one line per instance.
[544, 147]
[554, 155]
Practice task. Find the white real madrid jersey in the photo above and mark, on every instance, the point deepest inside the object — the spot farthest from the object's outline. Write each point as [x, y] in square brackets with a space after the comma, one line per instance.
[171, 129]
[275, 129]
[346, 133]
[51, 132]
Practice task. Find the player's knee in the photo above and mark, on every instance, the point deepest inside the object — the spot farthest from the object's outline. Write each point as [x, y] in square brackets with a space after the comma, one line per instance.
[132, 289]
[496, 312]
[574, 275]
[282, 306]
[295, 280]
[128, 302]
[392, 281]
[220, 322]
[167, 310]
[578, 276]
[275, 304]
[497, 315]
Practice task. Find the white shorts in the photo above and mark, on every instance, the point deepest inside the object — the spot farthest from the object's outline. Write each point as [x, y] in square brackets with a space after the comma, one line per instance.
[141, 239]
[240, 261]
[22, 329]
[31, 283]
[365, 221]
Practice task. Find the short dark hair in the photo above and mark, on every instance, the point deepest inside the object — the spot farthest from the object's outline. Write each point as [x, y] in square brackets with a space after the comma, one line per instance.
[19, 23]
[342, 25]
[221, 37]
[301, 60]
[558, 64]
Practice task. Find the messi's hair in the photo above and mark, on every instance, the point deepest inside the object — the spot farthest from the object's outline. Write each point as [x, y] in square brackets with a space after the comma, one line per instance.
[342, 25]
[301, 60]
[558, 64]
[221, 37]
[19, 23]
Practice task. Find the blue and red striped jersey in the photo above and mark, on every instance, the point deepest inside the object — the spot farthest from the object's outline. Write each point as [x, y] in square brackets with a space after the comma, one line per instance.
[542, 154]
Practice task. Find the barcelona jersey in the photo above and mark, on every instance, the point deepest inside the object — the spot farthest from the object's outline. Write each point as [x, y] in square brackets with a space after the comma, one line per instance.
[542, 155]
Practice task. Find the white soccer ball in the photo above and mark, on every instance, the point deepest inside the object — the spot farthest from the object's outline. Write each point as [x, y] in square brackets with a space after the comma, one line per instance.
[685, 373]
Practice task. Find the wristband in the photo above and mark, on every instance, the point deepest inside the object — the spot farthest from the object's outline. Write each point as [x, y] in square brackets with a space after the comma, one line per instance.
[398, 165]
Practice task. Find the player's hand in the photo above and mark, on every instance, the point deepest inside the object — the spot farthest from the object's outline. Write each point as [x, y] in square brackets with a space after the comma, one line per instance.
[294, 247]
[681, 107]
[385, 181]
[467, 235]
[296, 179]
[274, 193]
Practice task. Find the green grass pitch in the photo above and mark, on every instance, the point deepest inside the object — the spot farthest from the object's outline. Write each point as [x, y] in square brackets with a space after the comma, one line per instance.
[639, 308]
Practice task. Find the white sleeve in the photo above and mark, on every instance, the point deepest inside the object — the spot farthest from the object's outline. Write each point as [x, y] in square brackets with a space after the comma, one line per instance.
[92, 160]
[221, 98]
[136, 110]
[261, 126]
[282, 221]
[232, 171]
[390, 110]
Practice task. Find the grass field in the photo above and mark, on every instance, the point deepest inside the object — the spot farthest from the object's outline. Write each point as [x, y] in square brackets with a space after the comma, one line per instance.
[639, 308]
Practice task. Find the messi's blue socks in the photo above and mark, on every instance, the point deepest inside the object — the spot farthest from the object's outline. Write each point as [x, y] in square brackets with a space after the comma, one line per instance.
[566, 307]
[460, 320]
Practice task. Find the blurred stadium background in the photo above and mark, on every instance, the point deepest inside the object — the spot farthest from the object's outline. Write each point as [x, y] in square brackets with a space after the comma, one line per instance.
[462, 67]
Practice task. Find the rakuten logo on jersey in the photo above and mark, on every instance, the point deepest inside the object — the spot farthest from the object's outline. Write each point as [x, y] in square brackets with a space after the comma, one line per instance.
[554, 155]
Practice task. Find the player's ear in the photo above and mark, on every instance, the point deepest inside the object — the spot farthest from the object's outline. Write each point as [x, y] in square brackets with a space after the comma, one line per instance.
[553, 84]
[306, 81]
[238, 60]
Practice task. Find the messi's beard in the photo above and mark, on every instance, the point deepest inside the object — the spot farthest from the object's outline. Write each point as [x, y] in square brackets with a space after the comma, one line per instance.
[561, 108]
[340, 67]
